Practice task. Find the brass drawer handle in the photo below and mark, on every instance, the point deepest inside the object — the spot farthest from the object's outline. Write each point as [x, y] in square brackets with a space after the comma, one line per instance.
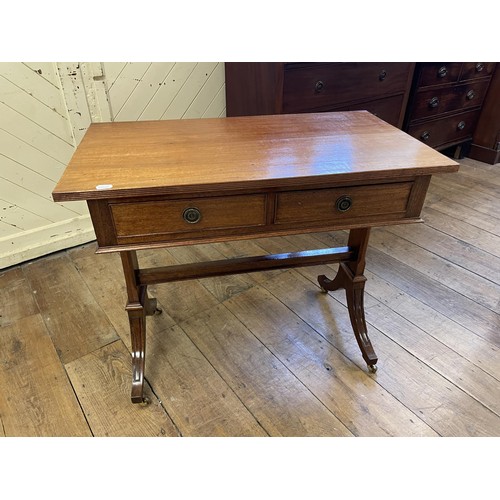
[470, 95]
[425, 135]
[382, 75]
[344, 203]
[442, 71]
[479, 67]
[461, 125]
[434, 102]
[191, 215]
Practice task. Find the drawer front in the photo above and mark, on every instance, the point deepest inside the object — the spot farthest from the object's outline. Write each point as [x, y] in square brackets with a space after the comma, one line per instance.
[477, 70]
[439, 73]
[456, 128]
[324, 84]
[180, 217]
[438, 101]
[343, 205]
[388, 109]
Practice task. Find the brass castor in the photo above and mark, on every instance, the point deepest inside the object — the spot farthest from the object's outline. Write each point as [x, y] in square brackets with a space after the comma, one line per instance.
[372, 368]
[145, 401]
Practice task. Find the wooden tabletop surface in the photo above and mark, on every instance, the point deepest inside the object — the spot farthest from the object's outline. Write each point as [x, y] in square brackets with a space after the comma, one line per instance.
[203, 155]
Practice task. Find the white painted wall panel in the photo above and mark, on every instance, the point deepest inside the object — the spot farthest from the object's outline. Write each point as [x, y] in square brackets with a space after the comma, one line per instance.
[45, 109]
[207, 92]
[125, 84]
[33, 134]
[179, 74]
[142, 93]
[26, 104]
[30, 81]
[46, 70]
[21, 152]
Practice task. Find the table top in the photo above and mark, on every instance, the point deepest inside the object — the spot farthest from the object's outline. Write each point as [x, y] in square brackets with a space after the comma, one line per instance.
[123, 159]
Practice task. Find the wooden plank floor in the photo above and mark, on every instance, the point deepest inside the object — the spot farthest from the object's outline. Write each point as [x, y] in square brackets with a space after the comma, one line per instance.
[267, 354]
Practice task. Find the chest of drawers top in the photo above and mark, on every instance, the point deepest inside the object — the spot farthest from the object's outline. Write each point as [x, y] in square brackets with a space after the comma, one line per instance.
[251, 153]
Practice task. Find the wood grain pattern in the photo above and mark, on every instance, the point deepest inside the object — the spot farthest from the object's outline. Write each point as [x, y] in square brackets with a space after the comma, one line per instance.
[36, 397]
[261, 381]
[442, 327]
[16, 297]
[452, 303]
[473, 286]
[323, 369]
[319, 204]
[434, 399]
[64, 302]
[194, 394]
[242, 152]
[101, 381]
[166, 217]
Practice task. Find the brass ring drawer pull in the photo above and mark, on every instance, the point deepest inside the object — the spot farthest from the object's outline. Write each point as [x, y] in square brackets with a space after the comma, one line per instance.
[470, 95]
[191, 215]
[344, 203]
[461, 125]
[479, 67]
[434, 102]
[442, 72]
[425, 135]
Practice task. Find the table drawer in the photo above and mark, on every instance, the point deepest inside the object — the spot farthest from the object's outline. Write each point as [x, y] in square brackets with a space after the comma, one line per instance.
[446, 130]
[438, 101]
[178, 217]
[343, 205]
[329, 84]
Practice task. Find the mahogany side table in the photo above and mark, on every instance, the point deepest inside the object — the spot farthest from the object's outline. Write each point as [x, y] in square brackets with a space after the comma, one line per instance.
[181, 182]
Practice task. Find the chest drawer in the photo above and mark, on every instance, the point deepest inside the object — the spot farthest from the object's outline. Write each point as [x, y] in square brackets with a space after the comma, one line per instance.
[439, 73]
[342, 205]
[434, 102]
[388, 109]
[446, 130]
[330, 84]
[146, 221]
[477, 70]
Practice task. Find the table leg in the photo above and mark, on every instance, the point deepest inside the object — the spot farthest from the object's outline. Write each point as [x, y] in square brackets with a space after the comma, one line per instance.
[350, 277]
[139, 305]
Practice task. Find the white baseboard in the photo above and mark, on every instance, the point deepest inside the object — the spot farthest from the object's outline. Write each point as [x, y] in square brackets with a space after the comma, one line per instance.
[27, 245]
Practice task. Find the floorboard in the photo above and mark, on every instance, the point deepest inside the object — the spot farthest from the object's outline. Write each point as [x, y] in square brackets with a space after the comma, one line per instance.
[101, 381]
[269, 354]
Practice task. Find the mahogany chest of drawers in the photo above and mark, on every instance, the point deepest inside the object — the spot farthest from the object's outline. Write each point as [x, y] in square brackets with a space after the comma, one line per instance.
[445, 102]
[276, 88]
[486, 140]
